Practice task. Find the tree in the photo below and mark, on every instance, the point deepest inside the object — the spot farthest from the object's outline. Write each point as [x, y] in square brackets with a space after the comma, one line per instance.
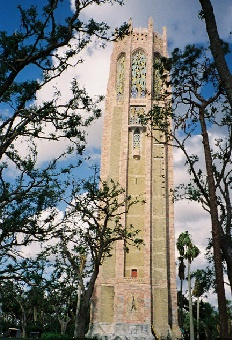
[31, 58]
[217, 47]
[10, 309]
[189, 252]
[23, 301]
[206, 110]
[199, 103]
[62, 290]
[37, 308]
[201, 286]
[181, 275]
[87, 232]
[208, 320]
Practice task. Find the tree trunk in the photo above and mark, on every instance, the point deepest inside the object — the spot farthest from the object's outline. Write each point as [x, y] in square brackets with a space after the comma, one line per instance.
[63, 321]
[220, 289]
[84, 309]
[24, 321]
[181, 304]
[77, 312]
[63, 325]
[82, 321]
[198, 314]
[217, 48]
[191, 326]
[181, 276]
[227, 253]
[35, 315]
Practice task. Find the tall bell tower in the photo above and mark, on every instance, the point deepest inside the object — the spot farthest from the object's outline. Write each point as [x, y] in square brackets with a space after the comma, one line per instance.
[135, 293]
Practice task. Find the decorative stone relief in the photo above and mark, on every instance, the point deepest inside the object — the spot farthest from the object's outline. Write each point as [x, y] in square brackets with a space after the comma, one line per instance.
[135, 307]
[120, 86]
[157, 83]
[140, 36]
[135, 113]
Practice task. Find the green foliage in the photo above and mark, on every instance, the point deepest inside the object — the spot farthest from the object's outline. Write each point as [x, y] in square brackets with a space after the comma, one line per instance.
[186, 248]
[188, 251]
[54, 336]
[208, 321]
[202, 282]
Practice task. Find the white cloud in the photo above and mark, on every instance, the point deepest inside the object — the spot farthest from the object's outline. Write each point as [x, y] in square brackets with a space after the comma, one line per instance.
[180, 17]
[91, 74]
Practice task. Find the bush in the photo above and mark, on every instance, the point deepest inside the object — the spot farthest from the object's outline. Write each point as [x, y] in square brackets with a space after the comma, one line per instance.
[58, 336]
[54, 336]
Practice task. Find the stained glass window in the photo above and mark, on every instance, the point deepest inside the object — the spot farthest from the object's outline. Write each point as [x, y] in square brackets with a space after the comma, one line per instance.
[138, 75]
[120, 77]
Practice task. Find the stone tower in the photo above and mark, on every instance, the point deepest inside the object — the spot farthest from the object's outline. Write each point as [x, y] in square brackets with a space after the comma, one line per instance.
[135, 293]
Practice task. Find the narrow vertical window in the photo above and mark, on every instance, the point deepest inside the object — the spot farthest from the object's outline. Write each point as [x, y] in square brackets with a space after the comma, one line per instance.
[138, 75]
[120, 77]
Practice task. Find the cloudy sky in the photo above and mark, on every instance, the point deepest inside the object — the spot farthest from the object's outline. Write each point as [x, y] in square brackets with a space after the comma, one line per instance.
[183, 27]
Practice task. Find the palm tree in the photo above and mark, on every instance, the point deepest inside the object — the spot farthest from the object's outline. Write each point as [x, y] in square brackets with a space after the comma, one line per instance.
[181, 275]
[201, 285]
[188, 251]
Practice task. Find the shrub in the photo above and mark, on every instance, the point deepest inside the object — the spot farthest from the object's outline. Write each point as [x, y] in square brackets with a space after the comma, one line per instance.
[54, 336]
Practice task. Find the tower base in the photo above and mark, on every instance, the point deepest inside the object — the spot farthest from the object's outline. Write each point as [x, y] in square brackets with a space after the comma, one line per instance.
[120, 331]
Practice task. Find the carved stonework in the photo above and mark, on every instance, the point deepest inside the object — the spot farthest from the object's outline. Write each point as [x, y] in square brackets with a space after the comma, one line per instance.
[134, 307]
[136, 112]
[140, 36]
[120, 86]
[157, 83]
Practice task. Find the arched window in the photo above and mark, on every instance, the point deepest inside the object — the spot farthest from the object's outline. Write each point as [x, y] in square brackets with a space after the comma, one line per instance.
[120, 77]
[138, 75]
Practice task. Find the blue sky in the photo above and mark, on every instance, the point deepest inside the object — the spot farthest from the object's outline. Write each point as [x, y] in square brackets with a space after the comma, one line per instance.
[10, 12]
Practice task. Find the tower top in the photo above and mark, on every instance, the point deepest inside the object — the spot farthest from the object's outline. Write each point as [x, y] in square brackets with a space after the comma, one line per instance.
[150, 23]
[142, 36]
